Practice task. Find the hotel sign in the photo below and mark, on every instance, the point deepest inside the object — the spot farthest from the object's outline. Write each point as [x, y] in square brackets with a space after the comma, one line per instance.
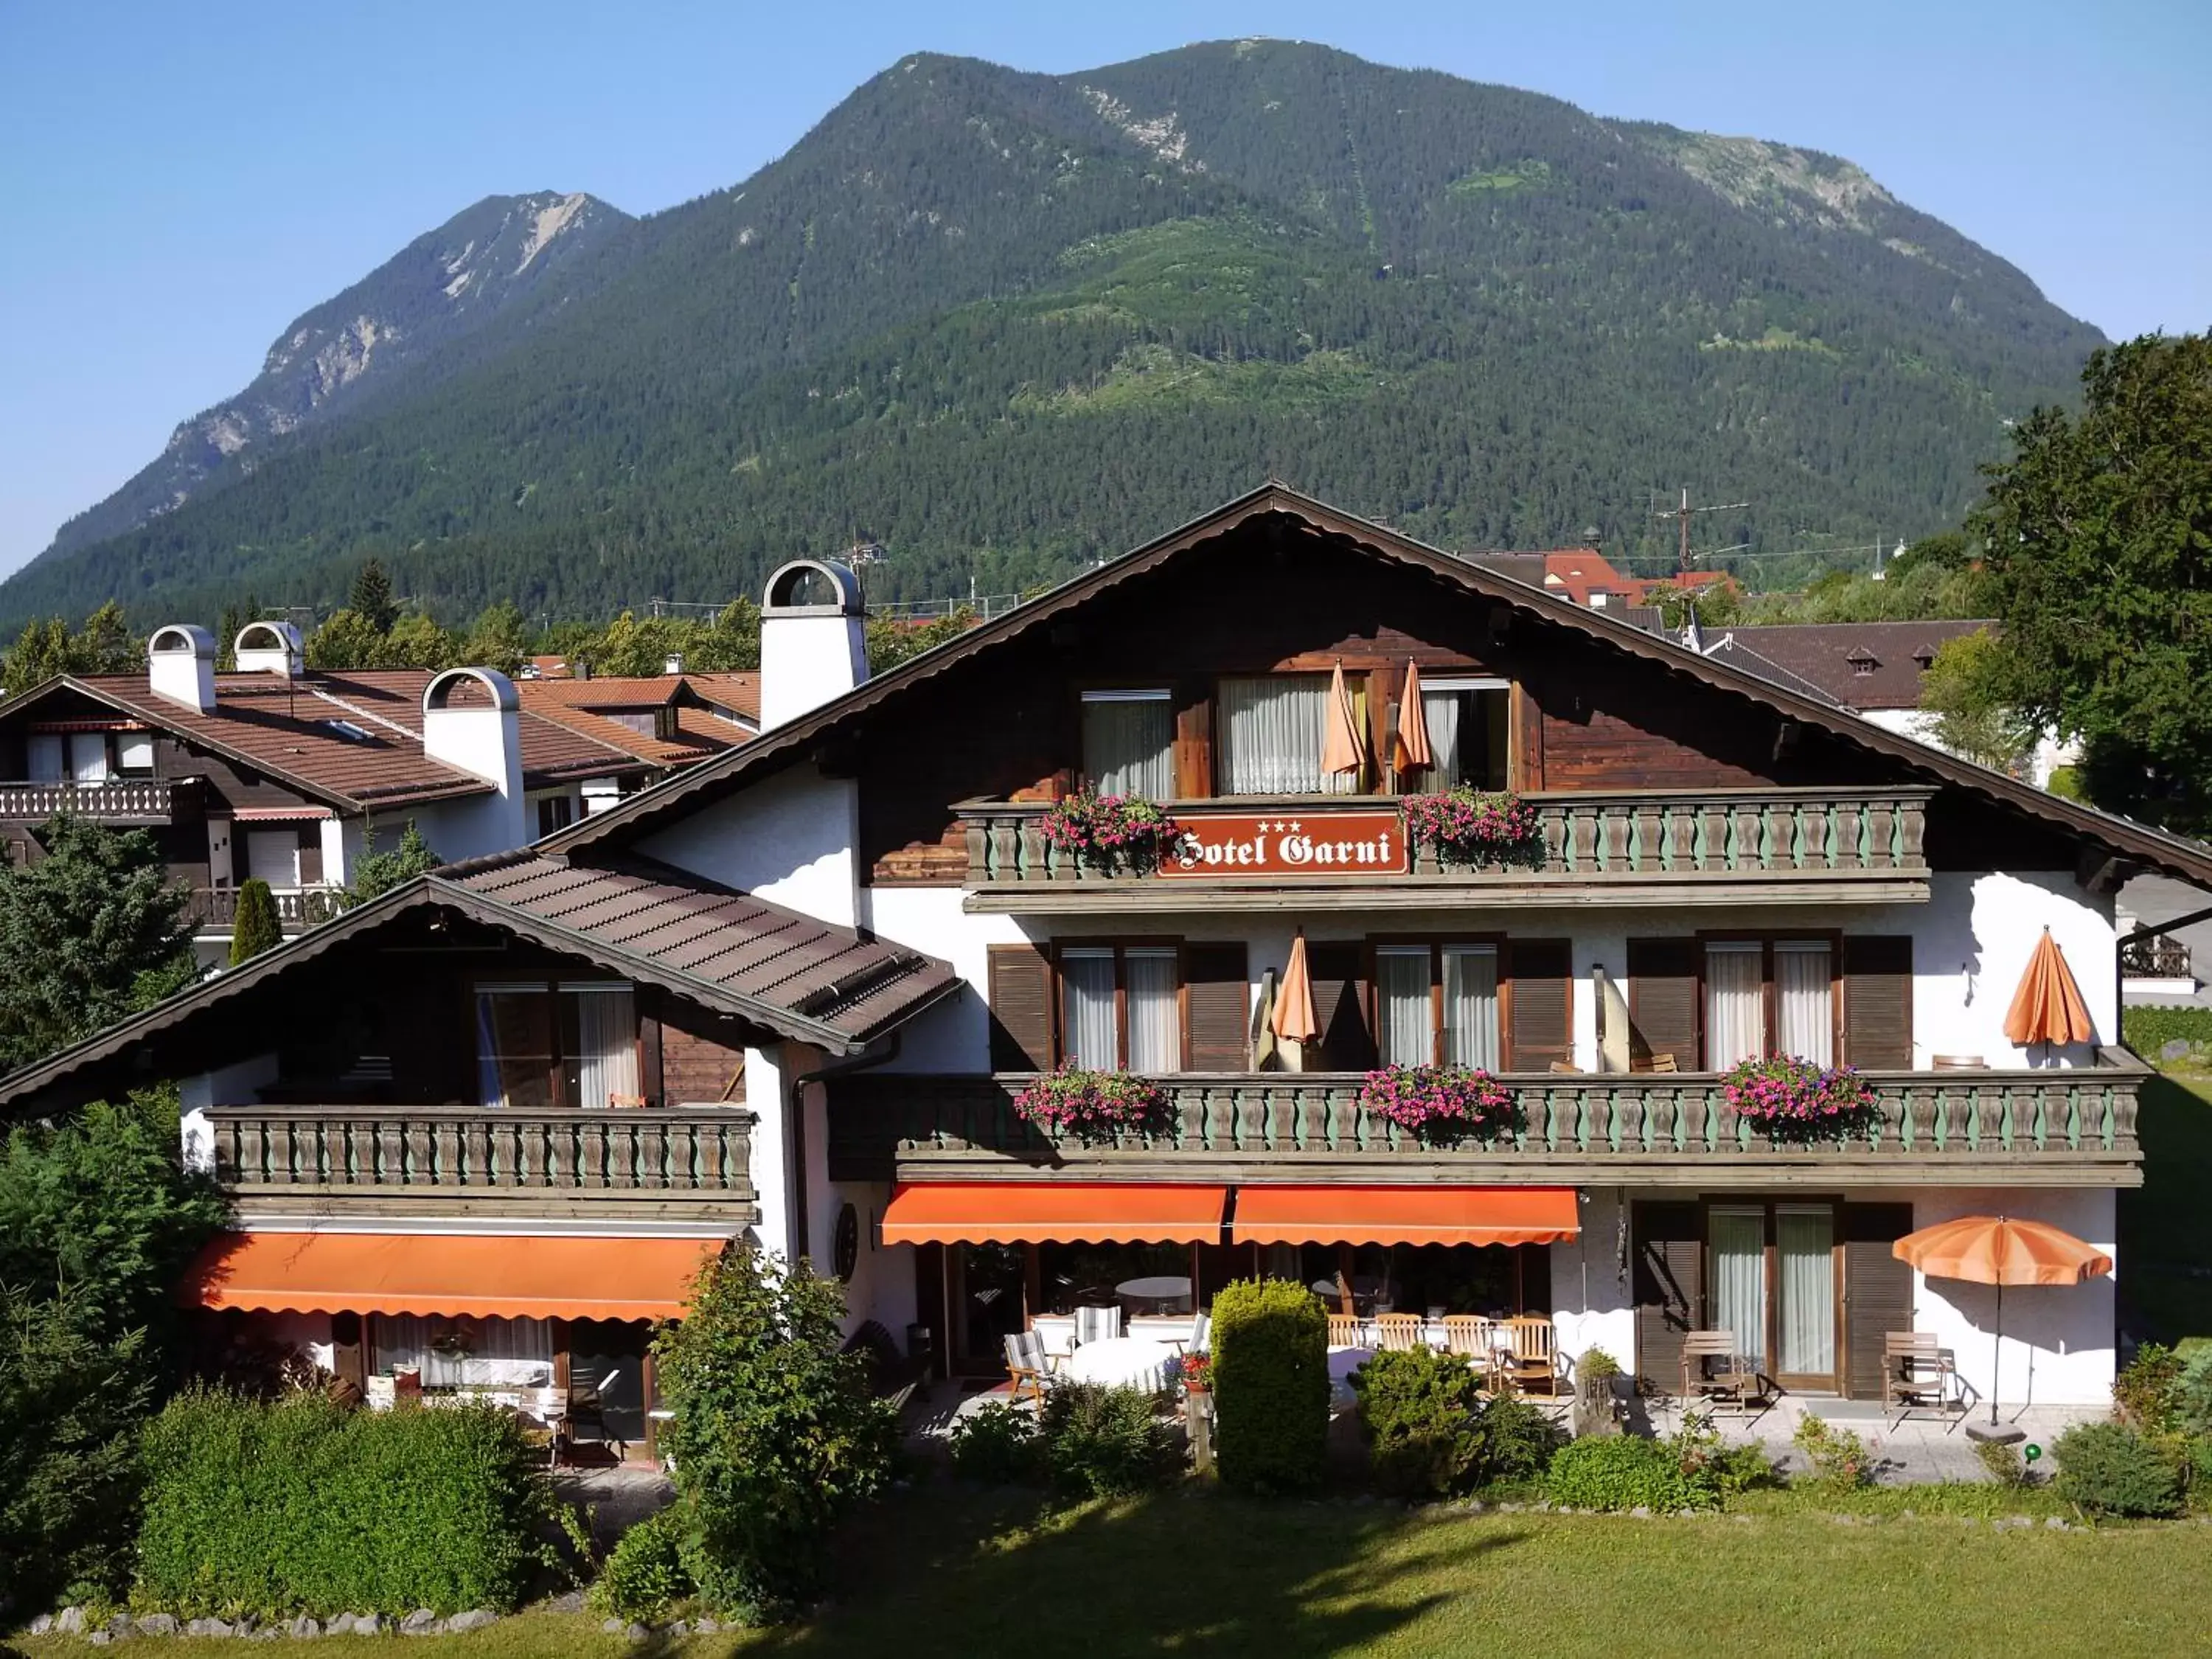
[1276, 845]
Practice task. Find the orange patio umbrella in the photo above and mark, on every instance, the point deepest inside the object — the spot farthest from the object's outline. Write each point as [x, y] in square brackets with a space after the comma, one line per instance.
[1996, 1249]
[2048, 1006]
[1412, 723]
[1341, 748]
[1294, 1020]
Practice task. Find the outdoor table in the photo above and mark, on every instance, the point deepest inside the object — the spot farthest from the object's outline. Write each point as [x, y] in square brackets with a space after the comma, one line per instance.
[1119, 1361]
[1164, 1287]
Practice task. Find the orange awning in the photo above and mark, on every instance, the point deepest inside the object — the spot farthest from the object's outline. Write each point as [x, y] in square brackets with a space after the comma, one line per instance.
[1405, 1215]
[1053, 1213]
[429, 1274]
[2048, 1006]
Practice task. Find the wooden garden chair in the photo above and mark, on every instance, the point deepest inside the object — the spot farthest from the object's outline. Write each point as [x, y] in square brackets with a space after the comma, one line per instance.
[1399, 1332]
[1346, 1331]
[1918, 1375]
[1664, 1063]
[1532, 1364]
[1730, 1385]
[1475, 1338]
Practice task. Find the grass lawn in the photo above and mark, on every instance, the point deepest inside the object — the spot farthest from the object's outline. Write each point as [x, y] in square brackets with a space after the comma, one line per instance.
[2164, 1232]
[969, 1576]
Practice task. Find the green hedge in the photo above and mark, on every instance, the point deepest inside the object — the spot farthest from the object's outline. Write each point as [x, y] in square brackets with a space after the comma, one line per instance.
[304, 1506]
[1270, 1386]
[2147, 1030]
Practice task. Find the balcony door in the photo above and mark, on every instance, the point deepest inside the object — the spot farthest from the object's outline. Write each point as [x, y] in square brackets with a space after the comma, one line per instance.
[1771, 1278]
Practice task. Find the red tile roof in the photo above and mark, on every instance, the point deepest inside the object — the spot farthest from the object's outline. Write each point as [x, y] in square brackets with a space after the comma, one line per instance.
[1581, 572]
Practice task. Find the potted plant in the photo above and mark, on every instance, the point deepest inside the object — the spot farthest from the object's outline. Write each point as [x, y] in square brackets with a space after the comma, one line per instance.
[1794, 1100]
[1476, 828]
[1093, 1106]
[1109, 833]
[1196, 1372]
[1441, 1102]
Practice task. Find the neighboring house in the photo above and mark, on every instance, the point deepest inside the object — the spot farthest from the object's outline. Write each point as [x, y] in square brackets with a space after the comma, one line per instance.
[286, 773]
[2167, 968]
[482, 1127]
[669, 721]
[1585, 577]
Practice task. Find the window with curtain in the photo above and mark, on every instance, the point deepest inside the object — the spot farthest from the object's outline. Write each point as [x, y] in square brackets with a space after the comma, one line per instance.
[1089, 1034]
[1128, 742]
[1470, 1005]
[464, 1353]
[1804, 1000]
[1736, 1002]
[542, 1045]
[1405, 1033]
[1805, 1291]
[88, 753]
[1467, 725]
[1270, 733]
[1436, 1003]
[47, 757]
[1094, 979]
[1155, 1029]
[1738, 1255]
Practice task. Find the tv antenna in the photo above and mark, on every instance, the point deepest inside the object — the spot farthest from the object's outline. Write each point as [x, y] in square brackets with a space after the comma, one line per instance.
[1684, 514]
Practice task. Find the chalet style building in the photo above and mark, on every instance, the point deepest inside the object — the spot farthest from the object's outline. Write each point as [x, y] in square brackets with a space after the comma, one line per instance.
[482, 1127]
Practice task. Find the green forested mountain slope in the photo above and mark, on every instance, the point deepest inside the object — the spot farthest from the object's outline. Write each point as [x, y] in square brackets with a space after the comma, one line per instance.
[1007, 322]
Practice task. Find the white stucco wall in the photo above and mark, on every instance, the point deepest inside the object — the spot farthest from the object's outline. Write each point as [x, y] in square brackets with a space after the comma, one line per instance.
[773, 1174]
[1593, 1301]
[789, 839]
[231, 1086]
[1972, 940]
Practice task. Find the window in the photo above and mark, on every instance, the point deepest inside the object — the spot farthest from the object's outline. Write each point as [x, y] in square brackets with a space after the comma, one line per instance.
[463, 1352]
[540, 1046]
[88, 757]
[272, 854]
[1120, 1008]
[1804, 1000]
[1770, 1281]
[46, 759]
[1466, 720]
[1128, 742]
[556, 812]
[1739, 1275]
[1271, 732]
[1437, 1003]
[1736, 1016]
[134, 753]
[1742, 1022]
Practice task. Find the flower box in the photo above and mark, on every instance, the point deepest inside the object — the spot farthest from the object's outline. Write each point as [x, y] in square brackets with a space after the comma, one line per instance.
[1110, 832]
[1479, 830]
[1441, 1102]
[1094, 1106]
[1796, 1101]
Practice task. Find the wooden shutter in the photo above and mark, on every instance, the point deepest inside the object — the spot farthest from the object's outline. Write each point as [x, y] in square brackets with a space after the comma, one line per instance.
[1662, 1002]
[1668, 1278]
[1539, 1006]
[1217, 1004]
[1021, 1009]
[311, 856]
[1339, 973]
[1877, 1291]
[1878, 1001]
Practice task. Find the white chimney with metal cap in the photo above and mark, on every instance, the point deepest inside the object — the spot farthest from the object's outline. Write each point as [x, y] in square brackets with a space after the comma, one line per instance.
[269, 647]
[180, 666]
[472, 722]
[814, 641]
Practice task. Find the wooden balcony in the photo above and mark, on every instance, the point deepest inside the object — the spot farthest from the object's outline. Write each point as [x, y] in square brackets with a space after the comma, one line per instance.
[1661, 846]
[367, 1161]
[2025, 1128]
[120, 800]
[215, 909]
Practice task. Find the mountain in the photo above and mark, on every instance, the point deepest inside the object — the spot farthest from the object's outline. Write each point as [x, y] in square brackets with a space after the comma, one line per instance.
[1006, 322]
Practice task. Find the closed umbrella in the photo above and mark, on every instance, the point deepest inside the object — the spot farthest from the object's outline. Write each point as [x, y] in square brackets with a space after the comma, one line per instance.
[2048, 1006]
[1996, 1249]
[1412, 724]
[1294, 1019]
[1341, 749]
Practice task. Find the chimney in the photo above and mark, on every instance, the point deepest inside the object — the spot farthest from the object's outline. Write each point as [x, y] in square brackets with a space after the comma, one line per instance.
[180, 666]
[269, 647]
[814, 645]
[471, 721]
[673, 664]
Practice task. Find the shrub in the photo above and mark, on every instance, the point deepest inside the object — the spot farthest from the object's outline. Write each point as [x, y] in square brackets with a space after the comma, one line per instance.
[302, 1506]
[645, 1577]
[2146, 1387]
[1440, 1102]
[775, 1435]
[1102, 1441]
[254, 928]
[2109, 1469]
[1420, 1410]
[1092, 1106]
[2149, 1030]
[1596, 1365]
[1518, 1440]
[1840, 1459]
[996, 1443]
[1626, 1471]
[1270, 1386]
[2191, 1400]
[2003, 1461]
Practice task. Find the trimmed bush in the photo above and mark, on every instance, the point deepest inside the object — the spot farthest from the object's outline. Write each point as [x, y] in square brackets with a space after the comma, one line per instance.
[645, 1577]
[255, 927]
[2148, 1030]
[2146, 1390]
[996, 1444]
[1421, 1410]
[1624, 1472]
[1102, 1441]
[1270, 1386]
[301, 1506]
[2191, 1397]
[2107, 1468]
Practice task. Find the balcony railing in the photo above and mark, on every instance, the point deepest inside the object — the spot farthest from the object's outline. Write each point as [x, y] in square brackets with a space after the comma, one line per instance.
[461, 1157]
[1632, 845]
[2155, 958]
[215, 909]
[2017, 1127]
[119, 800]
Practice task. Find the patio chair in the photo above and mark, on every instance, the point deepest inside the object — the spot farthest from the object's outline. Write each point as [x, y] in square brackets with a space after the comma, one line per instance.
[1715, 1373]
[1201, 1328]
[588, 1409]
[1346, 1331]
[1475, 1338]
[1097, 1325]
[1028, 1364]
[1917, 1374]
[1532, 1364]
[1665, 1063]
[1398, 1332]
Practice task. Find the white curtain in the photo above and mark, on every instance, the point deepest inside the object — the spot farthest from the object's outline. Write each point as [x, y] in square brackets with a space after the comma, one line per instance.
[1441, 709]
[1086, 980]
[88, 757]
[1804, 1237]
[1735, 1024]
[1401, 983]
[1804, 1016]
[46, 762]
[1471, 1005]
[482, 1353]
[1128, 742]
[1739, 1270]
[605, 1062]
[1272, 729]
[1155, 1028]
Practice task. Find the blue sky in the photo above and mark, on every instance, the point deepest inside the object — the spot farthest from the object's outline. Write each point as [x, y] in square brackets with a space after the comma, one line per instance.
[178, 183]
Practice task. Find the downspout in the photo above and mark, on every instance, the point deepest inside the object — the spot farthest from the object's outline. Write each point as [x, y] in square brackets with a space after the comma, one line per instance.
[861, 1062]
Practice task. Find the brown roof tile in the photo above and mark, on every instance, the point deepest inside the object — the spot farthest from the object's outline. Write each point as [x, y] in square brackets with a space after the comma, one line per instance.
[1857, 664]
